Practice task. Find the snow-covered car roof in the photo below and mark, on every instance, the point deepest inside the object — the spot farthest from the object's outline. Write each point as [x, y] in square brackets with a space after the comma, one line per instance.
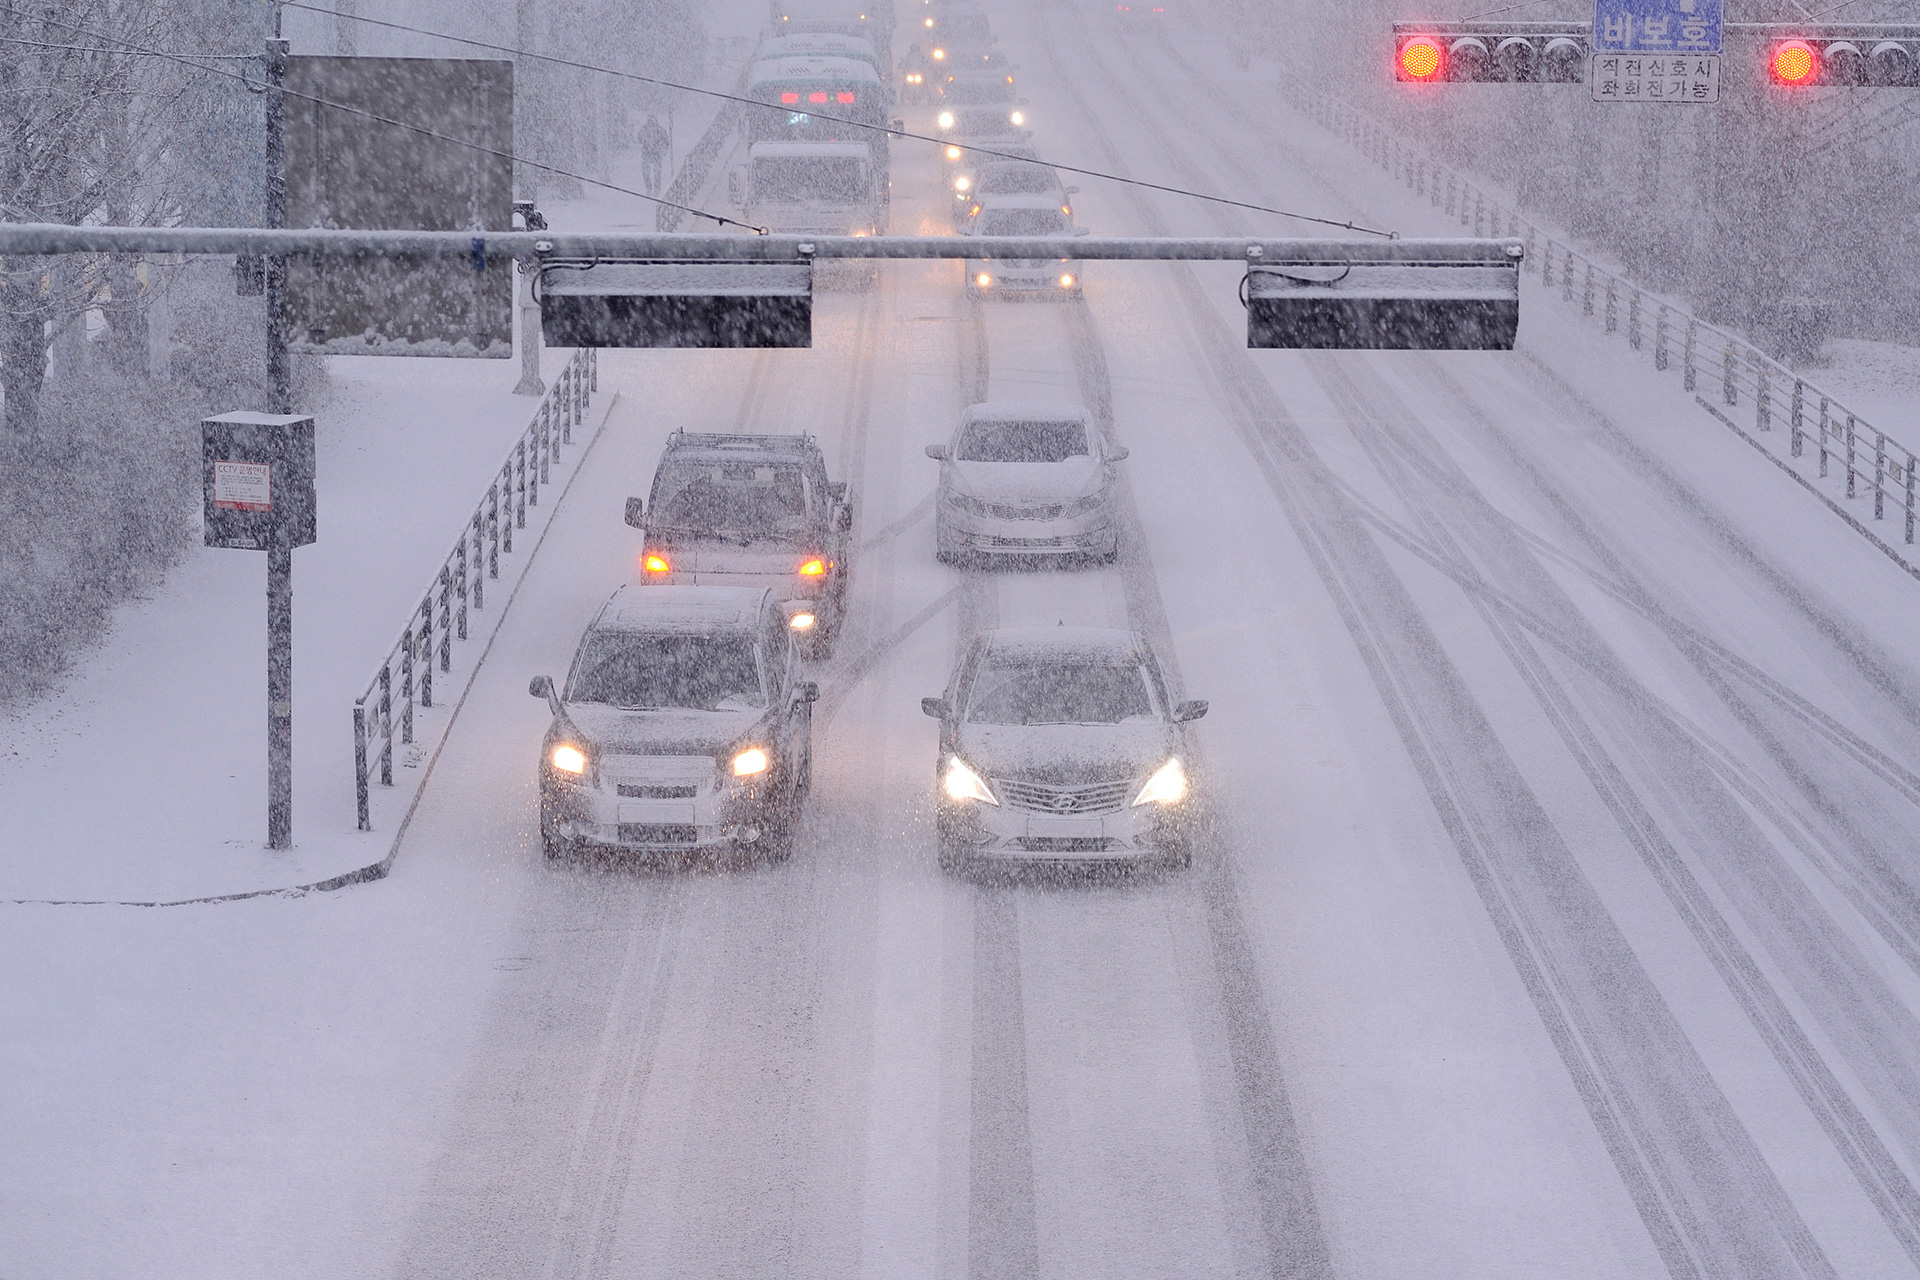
[831, 150]
[1041, 640]
[1026, 411]
[812, 67]
[677, 608]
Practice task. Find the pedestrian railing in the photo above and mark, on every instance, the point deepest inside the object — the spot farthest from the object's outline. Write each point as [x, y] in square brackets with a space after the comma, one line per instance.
[686, 184]
[1829, 447]
[404, 679]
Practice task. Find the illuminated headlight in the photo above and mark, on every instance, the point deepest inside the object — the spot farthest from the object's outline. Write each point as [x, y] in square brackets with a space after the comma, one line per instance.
[750, 762]
[962, 182]
[801, 621]
[984, 280]
[1066, 281]
[953, 153]
[1018, 117]
[945, 119]
[568, 758]
[1168, 785]
[962, 783]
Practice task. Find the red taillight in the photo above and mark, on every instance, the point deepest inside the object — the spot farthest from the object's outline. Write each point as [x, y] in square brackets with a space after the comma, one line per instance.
[819, 95]
[815, 567]
[1421, 58]
[789, 98]
[1795, 63]
[843, 97]
[653, 562]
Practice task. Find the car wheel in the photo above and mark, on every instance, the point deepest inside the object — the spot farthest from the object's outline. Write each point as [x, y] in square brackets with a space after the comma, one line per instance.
[556, 847]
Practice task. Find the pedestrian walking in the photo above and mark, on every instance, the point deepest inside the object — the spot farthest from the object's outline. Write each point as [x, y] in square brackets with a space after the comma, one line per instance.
[654, 141]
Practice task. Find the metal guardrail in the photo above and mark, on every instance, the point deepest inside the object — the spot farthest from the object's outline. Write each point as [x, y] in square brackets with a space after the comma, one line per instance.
[699, 162]
[1856, 460]
[461, 580]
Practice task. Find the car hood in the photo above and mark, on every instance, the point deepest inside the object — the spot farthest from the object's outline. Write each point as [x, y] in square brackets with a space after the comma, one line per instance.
[1016, 482]
[1068, 754]
[612, 731]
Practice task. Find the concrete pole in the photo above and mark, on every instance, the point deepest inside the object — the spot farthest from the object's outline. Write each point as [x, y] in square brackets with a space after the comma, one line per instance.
[523, 134]
[280, 400]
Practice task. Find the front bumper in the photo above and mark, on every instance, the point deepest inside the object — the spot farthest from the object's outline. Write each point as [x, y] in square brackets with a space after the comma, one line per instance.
[970, 533]
[1015, 277]
[1003, 833]
[663, 803]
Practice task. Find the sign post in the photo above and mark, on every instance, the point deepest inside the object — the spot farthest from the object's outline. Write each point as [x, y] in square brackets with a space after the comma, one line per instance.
[257, 478]
[1656, 51]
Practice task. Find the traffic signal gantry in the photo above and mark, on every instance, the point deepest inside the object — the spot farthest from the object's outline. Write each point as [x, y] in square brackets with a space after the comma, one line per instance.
[1792, 55]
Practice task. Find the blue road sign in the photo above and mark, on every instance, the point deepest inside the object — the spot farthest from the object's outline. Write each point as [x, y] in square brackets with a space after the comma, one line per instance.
[1657, 26]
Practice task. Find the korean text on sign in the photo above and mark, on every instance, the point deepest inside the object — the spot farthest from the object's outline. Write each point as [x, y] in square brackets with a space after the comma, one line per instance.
[1619, 77]
[1657, 26]
[242, 486]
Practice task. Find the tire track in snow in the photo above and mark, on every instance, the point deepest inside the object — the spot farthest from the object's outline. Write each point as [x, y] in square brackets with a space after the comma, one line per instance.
[1705, 1193]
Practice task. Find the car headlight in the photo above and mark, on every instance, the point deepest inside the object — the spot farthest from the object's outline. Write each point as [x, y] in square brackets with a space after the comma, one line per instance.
[1018, 117]
[962, 182]
[750, 762]
[983, 280]
[953, 153]
[568, 758]
[946, 119]
[1168, 785]
[962, 783]
[1080, 506]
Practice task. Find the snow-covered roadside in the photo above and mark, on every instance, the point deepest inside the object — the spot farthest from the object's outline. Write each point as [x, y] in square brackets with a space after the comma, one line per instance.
[145, 777]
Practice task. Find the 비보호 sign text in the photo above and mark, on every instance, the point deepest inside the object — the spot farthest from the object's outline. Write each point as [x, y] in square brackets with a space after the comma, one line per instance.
[1657, 26]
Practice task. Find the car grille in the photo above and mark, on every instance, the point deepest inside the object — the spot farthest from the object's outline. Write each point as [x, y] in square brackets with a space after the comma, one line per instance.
[1098, 797]
[637, 791]
[661, 833]
[1066, 844]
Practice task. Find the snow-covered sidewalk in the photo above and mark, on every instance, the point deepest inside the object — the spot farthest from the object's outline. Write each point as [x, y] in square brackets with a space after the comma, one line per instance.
[144, 778]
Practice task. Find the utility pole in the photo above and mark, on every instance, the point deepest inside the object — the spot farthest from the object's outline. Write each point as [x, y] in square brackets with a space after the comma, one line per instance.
[523, 129]
[345, 42]
[280, 402]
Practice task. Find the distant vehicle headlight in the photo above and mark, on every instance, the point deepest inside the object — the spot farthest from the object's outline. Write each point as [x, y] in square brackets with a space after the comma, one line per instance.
[984, 280]
[568, 758]
[962, 182]
[945, 119]
[1018, 117]
[1066, 282]
[1168, 785]
[962, 783]
[749, 762]
[953, 153]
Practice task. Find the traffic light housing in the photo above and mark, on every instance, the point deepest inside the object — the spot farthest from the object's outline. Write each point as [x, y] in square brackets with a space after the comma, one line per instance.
[1864, 57]
[1490, 53]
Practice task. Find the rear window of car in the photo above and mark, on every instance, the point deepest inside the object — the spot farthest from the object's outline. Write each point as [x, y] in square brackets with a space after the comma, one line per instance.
[667, 671]
[747, 498]
[1022, 440]
[1017, 180]
[1021, 222]
[1064, 689]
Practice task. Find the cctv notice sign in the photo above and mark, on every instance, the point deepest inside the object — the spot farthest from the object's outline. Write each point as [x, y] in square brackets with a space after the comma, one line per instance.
[1639, 77]
[242, 486]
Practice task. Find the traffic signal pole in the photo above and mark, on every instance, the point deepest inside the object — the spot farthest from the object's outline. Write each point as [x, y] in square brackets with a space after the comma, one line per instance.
[279, 401]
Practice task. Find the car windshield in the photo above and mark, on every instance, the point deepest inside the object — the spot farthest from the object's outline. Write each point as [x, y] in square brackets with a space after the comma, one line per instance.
[1060, 689]
[745, 499]
[823, 179]
[1017, 180]
[1022, 440]
[983, 89]
[667, 671]
[1021, 222]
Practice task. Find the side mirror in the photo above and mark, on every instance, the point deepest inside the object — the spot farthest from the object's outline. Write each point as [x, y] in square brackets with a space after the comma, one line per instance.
[1118, 455]
[737, 186]
[806, 691]
[938, 452]
[636, 513]
[935, 707]
[1191, 710]
[843, 521]
[541, 687]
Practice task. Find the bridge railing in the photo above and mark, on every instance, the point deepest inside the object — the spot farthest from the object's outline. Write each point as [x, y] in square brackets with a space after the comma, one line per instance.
[1857, 469]
[404, 679]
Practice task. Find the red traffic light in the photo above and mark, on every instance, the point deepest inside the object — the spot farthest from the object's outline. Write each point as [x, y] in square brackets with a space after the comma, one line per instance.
[1422, 59]
[1795, 63]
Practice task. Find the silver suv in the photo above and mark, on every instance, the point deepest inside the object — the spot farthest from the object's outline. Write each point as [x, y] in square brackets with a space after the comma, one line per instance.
[746, 510]
[682, 725]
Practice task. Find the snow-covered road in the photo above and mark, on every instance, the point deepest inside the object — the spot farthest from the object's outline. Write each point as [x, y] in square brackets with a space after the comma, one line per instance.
[1560, 912]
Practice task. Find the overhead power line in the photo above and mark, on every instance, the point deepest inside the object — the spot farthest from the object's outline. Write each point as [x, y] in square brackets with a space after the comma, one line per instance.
[834, 119]
[188, 61]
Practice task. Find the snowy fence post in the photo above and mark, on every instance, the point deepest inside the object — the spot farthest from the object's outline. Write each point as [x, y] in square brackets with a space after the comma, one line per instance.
[1826, 424]
[1762, 399]
[446, 618]
[479, 558]
[1727, 385]
[1795, 417]
[1528, 259]
[1688, 370]
[426, 650]
[593, 364]
[1587, 304]
[1613, 313]
[519, 465]
[406, 687]
[1852, 457]
[1566, 276]
[1909, 499]
[360, 762]
[546, 436]
[493, 529]
[1633, 320]
[1660, 339]
[1879, 475]
[386, 724]
[460, 583]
